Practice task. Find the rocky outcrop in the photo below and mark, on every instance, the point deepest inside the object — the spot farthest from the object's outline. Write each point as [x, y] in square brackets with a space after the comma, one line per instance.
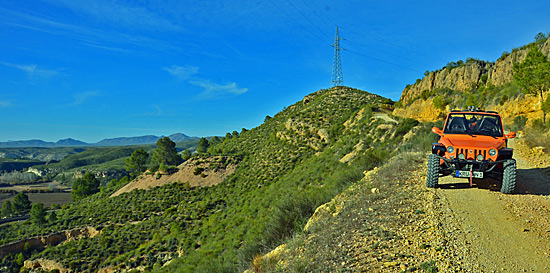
[45, 265]
[466, 77]
[460, 78]
[528, 106]
[420, 110]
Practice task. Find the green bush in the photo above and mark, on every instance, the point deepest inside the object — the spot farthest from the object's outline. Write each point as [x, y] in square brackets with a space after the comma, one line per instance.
[198, 170]
[422, 140]
[503, 99]
[405, 126]
[429, 267]
[519, 123]
[440, 103]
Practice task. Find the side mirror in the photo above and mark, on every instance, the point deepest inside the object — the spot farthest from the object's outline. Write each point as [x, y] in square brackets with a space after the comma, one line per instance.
[438, 131]
[510, 135]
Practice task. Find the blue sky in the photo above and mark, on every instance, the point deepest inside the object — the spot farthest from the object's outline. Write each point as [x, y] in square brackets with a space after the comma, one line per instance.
[91, 70]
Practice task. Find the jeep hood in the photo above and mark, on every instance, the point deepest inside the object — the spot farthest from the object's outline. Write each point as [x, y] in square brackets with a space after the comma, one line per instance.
[482, 142]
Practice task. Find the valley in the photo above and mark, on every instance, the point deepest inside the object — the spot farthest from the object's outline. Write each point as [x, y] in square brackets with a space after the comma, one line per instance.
[207, 136]
[333, 182]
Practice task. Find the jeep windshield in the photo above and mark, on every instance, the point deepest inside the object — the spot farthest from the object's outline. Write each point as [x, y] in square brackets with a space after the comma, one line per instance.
[474, 124]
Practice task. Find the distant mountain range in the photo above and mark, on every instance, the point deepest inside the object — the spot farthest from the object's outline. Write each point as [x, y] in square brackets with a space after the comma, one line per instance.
[69, 142]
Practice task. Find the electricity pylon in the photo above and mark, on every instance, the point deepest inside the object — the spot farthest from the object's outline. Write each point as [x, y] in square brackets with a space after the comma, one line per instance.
[337, 77]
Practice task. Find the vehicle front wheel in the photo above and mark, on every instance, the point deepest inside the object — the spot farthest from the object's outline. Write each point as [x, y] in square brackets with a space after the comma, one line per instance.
[432, 179]
[508, 176]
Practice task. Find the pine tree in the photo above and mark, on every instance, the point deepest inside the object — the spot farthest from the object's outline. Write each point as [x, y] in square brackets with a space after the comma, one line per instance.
[85, 186]
[21, 203]
[533, 75]
[52, 218]
[137, 162]
[6, 208]
[203, 145]
[38, 214]
[165, 153]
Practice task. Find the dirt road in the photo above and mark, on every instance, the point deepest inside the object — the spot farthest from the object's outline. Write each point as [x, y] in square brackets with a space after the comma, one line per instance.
[500, 233]
[452, 228]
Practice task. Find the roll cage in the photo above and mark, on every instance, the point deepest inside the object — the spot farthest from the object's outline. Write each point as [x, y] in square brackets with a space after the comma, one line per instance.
[470, 123]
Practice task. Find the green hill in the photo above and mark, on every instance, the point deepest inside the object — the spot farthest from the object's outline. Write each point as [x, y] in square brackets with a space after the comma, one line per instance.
[292, 163]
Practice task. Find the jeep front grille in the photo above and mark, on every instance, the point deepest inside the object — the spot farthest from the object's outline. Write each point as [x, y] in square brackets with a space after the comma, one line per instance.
[471, 153]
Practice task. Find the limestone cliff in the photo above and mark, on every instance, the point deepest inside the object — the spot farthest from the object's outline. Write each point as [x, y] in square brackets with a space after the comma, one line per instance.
[465, 77]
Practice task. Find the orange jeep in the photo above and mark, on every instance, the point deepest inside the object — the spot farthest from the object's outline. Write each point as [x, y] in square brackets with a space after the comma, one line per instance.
[473, 145]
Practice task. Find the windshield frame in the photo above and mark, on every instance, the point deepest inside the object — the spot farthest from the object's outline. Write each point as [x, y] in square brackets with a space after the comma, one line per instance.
[473, 123]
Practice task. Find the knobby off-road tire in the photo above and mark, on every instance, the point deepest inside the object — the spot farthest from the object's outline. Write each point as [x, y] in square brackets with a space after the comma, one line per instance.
[508, 176]
[432, 179]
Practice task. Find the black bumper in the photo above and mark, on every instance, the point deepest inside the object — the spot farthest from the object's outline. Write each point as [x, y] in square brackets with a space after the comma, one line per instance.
[467, 164]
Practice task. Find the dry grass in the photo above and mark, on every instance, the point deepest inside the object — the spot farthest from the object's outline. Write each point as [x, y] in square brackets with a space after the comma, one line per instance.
[537, 136]
[367, 210]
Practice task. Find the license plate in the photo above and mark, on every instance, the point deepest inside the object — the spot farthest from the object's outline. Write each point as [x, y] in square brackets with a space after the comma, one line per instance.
[467, 174]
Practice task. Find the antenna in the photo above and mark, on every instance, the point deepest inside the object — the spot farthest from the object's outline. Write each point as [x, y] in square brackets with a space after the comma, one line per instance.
[337, 77]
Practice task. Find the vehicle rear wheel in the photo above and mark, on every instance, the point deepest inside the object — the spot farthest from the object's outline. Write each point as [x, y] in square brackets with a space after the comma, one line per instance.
[508, 176]
[432, 178]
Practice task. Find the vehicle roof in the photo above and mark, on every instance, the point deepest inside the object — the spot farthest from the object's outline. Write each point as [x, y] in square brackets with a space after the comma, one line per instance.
[474, 112]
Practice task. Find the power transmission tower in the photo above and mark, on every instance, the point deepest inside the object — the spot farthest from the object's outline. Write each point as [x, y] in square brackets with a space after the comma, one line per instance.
[337, 77]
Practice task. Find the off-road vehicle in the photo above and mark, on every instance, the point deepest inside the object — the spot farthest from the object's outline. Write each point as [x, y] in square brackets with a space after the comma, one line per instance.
[472, 144]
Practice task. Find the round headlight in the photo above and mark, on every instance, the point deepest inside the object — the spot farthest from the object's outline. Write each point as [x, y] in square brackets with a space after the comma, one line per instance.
[450, 149]
[461, 156]
[492, 152]
[479, 157]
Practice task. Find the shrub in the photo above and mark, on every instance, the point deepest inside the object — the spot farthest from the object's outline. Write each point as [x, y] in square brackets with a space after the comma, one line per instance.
[425, 94]
[405, 126]
[503, 99]
[198, 170]
[289, 215]
[429, 267]
[422, 140]
[535, 136]
[519, 123]
[440, 103]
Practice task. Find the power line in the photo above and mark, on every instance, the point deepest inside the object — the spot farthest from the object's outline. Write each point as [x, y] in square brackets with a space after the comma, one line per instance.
[317, 14]
[303, 15]
[386, 52]
[337, 77]
[332, 24]
[392, 45]
[383, 61]
[292, 18]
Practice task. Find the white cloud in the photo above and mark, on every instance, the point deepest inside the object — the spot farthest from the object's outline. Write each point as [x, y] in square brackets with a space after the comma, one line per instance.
[214, 90]
[88, 36]
[4, 104]
[157, 112]
[182, 72]
[33, 71]
[81, 98]
[121, 13]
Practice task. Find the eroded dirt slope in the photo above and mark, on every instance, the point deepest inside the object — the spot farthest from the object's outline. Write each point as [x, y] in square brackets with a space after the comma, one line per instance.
[213, 170]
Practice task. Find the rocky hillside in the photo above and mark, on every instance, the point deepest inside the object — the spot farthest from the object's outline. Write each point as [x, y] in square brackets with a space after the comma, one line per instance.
[441, 90]
[288, 166]
[390, 222]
